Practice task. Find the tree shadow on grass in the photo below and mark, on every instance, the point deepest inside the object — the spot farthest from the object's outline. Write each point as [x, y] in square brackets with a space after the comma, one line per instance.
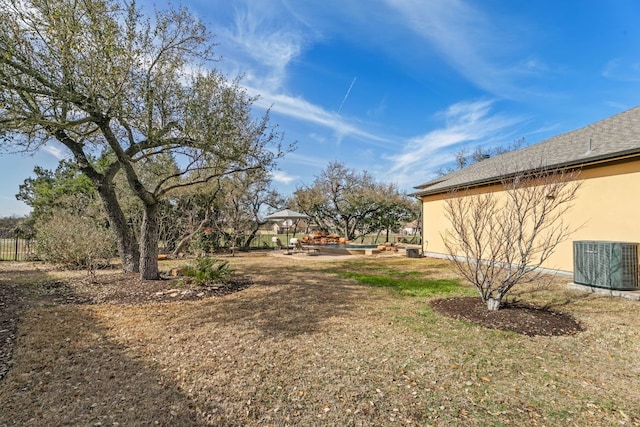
[16, 283]
[68, 372]
[287, 303]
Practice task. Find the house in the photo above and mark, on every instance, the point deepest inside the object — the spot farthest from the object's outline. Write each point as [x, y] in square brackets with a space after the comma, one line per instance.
[607, 206]
[300, 226]
[411, 228]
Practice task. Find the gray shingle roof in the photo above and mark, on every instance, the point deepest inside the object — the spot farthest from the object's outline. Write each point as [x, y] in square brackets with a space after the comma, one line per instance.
[611, 138]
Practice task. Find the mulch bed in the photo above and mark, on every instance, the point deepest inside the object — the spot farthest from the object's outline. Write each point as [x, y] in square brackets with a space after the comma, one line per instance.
[116, 288]
[517, 317]
[127, 288]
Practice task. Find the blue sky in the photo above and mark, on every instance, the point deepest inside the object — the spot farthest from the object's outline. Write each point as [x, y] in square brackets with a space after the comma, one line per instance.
[397, 87]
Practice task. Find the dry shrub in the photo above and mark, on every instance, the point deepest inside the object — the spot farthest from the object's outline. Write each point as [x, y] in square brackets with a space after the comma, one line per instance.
[499, 240]
[74, 242]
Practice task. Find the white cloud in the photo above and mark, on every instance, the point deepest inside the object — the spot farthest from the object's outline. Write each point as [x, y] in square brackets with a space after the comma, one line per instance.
[379, 109]
[464, 122]
[283, 177]
[56, 151]
[265, 37]
[298, 108]
[262, 40]
[532, 66]
[321, 139]
[271, 46]
[309, 161]
[468, 39]
[622, 69]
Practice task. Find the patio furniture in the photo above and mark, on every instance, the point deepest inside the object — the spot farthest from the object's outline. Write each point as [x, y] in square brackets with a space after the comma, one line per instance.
[298, 247]
[280, 245]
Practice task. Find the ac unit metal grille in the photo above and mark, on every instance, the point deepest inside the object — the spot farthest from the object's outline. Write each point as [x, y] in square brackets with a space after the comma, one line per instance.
[611, 265]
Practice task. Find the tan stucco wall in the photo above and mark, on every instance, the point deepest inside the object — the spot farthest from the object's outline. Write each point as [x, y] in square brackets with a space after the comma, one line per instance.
[607, 208]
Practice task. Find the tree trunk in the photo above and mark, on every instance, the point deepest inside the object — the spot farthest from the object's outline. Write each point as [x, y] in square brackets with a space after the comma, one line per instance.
[185, 239]
[493, 304]
[182, 244]
[126, 241]
[149, 244]
[250, 238]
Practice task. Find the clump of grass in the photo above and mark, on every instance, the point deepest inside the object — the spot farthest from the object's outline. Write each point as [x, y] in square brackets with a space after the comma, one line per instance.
[207, 270]
[407, 284]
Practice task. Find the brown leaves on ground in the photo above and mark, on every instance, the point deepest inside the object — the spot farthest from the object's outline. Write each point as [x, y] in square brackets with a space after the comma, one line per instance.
[9, 311]
[127, 288]
[303, 346]
[108, 288]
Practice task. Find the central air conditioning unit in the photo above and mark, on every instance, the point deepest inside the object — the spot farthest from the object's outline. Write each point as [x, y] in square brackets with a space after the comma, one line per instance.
[612, 265]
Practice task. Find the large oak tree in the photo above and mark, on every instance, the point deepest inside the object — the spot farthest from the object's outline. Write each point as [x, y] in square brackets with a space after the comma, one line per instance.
[352, 203]
[124, 92]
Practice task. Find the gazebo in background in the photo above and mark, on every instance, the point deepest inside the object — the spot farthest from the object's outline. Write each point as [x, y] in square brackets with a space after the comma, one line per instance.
[287, 215]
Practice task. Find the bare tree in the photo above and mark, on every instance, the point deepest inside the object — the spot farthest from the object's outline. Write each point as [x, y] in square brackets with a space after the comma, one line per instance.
[480, 153]
[500, 239]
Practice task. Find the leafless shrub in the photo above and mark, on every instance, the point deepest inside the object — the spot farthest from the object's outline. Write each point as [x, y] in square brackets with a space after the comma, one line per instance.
[74, 242]
[500, 239]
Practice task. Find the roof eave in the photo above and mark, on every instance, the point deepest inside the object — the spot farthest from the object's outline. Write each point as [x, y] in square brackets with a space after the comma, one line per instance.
[565, 165]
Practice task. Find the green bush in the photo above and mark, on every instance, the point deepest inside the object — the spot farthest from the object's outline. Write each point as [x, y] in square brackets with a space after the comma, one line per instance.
[206, 270]
[204, 243]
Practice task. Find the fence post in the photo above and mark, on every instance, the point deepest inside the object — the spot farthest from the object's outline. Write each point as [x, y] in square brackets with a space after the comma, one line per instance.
[15, 258]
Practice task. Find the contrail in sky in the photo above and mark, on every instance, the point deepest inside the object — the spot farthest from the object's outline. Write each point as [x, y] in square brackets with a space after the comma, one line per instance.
[347, 95]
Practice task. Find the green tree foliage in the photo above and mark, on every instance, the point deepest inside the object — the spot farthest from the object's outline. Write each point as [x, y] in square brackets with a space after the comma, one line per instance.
[351, 203]
[395, 211]
[130, 95]
[192, 214]
[237, 211]
[227, 208]
[65, 189]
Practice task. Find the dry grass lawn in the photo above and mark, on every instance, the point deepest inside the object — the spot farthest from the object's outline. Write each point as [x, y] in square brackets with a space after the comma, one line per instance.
[305, 346]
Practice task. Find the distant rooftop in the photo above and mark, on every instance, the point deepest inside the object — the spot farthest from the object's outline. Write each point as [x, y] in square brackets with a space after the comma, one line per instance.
[608, 139]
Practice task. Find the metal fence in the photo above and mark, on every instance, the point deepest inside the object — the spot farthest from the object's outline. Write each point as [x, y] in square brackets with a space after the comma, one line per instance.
[14, 247]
